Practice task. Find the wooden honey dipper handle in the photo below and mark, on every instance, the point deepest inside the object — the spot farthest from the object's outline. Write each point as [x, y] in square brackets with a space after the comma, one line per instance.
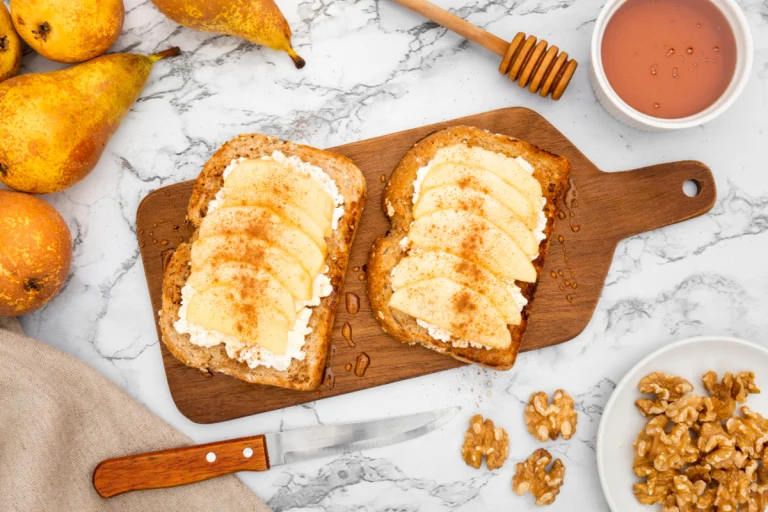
[527, 61]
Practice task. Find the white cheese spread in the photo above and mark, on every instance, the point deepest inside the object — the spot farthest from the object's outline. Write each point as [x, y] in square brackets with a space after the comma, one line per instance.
[255, 355]
[446, 337]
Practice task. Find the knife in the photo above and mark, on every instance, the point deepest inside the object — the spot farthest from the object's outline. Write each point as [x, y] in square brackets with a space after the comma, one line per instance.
[179, 466]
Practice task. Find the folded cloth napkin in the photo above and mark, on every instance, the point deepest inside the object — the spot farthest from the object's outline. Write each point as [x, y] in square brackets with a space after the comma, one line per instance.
[59, 418]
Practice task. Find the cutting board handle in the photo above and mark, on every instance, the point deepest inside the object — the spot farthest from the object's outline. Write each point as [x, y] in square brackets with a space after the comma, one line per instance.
[652, 197]
[179, 466]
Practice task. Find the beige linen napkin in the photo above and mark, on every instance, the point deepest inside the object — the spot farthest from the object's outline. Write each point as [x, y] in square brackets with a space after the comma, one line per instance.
[59, 418]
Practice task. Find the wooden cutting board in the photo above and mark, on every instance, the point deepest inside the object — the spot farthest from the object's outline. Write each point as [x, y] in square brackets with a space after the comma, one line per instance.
[598, 210]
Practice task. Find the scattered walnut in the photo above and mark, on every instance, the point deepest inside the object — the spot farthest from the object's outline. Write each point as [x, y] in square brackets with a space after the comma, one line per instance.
[547, 421]
[734, 387]
[743, 385]
[532, 475]
[656, 488]
[656, 449]
[758, 491]
[714, 409]
[699, 472]
[666, 387]
[483, 438]
[684, 494]
[750, 432]
[733, 488]
[717, 445]
[685, 409]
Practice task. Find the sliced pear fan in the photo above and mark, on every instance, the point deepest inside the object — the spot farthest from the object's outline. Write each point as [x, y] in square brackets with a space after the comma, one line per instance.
[257, 253]
[247, 281]
[254, 322]
[267, 225]
[299, 218]
[504, 167]
[459, 310]
[452, 197]
[424, 265]
[285, 185]
[486, 182]
[475, 239]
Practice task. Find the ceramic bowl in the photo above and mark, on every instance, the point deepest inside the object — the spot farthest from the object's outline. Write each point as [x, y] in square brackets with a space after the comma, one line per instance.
[628, 115]
[621, 421]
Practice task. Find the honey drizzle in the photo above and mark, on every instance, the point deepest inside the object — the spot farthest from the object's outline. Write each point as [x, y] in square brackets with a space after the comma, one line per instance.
[565, 278]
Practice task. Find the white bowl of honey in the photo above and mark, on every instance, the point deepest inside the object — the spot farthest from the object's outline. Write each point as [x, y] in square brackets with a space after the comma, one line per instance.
[662, 65]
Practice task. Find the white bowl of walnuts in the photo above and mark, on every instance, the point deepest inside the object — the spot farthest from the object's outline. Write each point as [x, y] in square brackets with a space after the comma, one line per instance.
[684, 430]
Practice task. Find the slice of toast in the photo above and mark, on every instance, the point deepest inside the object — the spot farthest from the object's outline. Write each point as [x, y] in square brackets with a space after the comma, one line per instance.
[397, 201]
[300, 375]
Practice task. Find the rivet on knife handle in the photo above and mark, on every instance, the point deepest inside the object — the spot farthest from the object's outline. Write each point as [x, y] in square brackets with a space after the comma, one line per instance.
[180, 466]
[541, 68]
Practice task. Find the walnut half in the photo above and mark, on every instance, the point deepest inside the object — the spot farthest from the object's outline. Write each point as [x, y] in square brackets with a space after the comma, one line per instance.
[484, 439]
[548, 421]
[532, 476]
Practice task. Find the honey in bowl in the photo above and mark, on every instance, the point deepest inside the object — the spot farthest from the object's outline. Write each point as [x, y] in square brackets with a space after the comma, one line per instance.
[669, 58]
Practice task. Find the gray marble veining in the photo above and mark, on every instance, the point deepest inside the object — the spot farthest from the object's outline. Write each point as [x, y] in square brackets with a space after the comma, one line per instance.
[374, 68]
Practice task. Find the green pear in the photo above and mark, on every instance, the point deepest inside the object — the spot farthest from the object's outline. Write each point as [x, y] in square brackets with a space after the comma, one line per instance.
[54, 126]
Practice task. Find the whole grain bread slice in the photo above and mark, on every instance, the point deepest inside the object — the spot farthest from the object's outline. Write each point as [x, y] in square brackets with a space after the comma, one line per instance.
[550, 170]
[300, 375]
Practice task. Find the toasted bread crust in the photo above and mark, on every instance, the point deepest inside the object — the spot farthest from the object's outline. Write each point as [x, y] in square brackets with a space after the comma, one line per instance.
[300, 375]
[550, 170]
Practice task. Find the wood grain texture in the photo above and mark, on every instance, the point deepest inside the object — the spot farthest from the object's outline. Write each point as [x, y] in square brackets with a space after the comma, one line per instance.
[599, 209]
[179, 466]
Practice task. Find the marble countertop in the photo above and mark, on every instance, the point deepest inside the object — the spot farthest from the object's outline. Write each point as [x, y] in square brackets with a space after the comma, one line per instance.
[374, 68]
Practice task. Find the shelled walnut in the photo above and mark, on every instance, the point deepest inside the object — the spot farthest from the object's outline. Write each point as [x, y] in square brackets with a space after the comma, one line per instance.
[483, 438]
[532, 476]
[667, 389]
[750, 432]
[663, 451]
[724, 469]
[683, 494]
[548, 421]
[732, 388]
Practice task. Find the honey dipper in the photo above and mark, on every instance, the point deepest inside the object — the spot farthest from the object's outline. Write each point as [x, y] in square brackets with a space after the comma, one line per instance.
[530, 63]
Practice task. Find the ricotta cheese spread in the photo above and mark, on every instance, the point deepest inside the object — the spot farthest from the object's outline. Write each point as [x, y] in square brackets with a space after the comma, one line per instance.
[446, 337]
[255, 355]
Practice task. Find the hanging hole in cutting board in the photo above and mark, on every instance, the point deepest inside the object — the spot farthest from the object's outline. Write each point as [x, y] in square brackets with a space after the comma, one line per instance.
[691, 188]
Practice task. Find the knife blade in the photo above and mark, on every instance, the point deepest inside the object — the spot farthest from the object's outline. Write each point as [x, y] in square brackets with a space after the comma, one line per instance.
[179, 466]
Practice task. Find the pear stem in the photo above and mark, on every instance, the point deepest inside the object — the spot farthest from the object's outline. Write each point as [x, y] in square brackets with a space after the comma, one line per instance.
[297, 61]
[170, 52]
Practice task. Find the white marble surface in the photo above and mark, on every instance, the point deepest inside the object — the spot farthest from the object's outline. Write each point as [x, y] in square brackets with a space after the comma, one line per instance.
[374, 68]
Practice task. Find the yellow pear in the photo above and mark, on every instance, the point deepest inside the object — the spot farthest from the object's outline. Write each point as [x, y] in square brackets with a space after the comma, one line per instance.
[35, 253]
[258, 21]
[54, 126]
[68, 30]
[10, 46]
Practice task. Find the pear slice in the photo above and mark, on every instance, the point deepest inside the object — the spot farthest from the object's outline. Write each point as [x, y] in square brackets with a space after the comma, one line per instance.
[506, 168]
[270, 227]
[219, 249]
[453, 197]
[248, 281]
[466, 177]
[254, 321]
[475, 239]
[459, 310]
[286, 185]
[294, 215]
[423, 265]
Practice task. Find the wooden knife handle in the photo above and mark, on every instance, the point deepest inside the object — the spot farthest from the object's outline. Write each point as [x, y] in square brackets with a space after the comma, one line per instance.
[180, 466]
